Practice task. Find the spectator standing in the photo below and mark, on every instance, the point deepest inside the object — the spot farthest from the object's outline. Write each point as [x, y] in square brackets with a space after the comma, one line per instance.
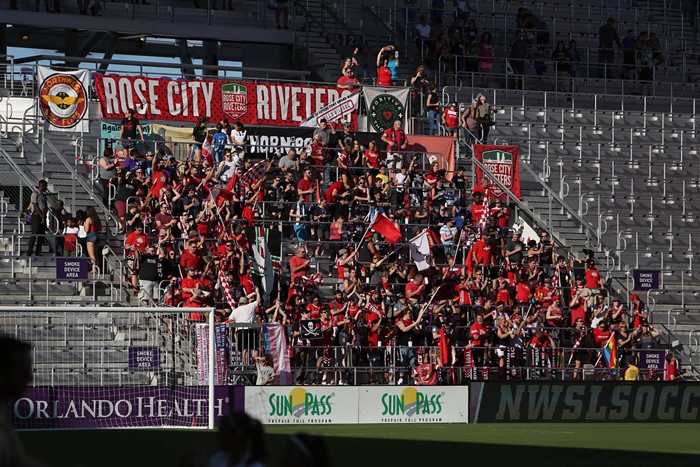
[131, 129]
[419, 84]
[484, 118]
[486, 54]
[560, 57]
[150, 274]
[282, 14]
[395, 138]
[629, 55]
[38, 209]
[517, 58]
[93, 228]
[199, 134]
[432, 105]
[450, 119]
[423, 31]
[607, 39]
[220, 140]
[107, 172]
[384, 73]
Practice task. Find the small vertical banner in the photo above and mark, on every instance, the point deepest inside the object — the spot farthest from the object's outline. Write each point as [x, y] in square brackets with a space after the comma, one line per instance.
[64, 99]
[502, 162]
[220, 351]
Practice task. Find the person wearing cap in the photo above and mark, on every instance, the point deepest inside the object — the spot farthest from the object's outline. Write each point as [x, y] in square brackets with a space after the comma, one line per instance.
[325, 131]
[639, 310]
[449, 236]
[602, 334]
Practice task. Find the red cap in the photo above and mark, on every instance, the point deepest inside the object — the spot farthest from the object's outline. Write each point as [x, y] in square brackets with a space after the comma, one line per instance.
[634, 297]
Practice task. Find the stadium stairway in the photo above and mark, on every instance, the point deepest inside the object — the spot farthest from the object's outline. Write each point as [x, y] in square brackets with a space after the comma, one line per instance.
[27, 280]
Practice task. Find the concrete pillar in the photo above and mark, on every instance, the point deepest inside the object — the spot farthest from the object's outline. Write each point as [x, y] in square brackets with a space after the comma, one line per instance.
[210, 56]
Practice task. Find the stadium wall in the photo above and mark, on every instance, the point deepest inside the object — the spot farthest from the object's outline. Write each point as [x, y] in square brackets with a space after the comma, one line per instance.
[494, 402]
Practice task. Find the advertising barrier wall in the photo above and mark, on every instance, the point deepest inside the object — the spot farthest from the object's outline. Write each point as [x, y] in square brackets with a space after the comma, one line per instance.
[413, 404]
[119, 407]
[282, 405]
[275, 405]
[584, 402]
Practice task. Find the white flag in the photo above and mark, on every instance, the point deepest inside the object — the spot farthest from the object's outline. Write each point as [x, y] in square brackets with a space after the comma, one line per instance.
[420, 251]
[340, 110]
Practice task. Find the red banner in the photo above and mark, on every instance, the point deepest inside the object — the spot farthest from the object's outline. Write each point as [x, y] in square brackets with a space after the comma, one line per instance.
[442, 147]
[278, 104]
[502, 162]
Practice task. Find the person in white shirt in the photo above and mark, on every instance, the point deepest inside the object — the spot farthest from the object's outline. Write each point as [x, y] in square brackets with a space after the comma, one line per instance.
[448, 234]
[247, 337]
[239, 139]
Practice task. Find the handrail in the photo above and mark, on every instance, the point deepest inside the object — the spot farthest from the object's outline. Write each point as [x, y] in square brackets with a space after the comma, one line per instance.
[552, 195]
[312, 19]
[77, 178]
[521, 205]
[62, 59]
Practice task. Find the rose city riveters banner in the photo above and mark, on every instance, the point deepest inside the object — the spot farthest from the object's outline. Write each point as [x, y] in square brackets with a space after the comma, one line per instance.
[262, 103]
[502, 162]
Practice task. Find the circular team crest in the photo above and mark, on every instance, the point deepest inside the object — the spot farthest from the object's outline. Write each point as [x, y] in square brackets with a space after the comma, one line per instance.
[384, 110]
[63, 100]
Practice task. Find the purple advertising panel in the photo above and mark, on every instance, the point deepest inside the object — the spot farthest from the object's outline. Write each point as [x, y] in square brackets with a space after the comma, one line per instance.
[646, 279]
[119, 407]
[73, 268]
[144, 358]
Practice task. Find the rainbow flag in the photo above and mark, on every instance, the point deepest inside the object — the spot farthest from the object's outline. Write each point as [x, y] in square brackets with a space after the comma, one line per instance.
[610, 352]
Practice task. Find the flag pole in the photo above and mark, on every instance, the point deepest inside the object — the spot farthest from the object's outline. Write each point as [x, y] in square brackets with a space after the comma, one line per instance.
[602, 349]
[364, 235]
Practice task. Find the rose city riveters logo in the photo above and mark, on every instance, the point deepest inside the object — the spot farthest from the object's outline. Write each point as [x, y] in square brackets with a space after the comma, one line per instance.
[384, 110]
[234, 100]
[411, 402]
[63, 100]
[299, 403]
[500, 164]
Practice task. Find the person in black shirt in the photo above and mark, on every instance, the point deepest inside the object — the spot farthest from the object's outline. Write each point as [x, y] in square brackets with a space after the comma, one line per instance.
[199, 134]
[460, 183]
[150, 274]
[130, 127]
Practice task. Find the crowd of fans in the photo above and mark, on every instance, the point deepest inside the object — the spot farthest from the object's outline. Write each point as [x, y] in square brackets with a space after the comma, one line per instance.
[487, 288]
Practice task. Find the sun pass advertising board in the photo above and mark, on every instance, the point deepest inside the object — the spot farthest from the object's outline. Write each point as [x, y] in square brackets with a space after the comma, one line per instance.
[280, 405]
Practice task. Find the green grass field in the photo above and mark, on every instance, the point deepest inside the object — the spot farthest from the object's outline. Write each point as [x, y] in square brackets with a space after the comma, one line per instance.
[402, 445]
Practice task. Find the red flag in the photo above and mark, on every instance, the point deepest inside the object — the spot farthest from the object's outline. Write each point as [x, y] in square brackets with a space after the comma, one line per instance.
[384, 226]
[219, 195]
[318, 192]
[255, 173]
[444, 352]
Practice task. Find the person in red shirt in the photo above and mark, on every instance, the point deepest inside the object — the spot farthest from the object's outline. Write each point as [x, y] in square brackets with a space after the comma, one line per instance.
[482, 253]
[395, 138]
[305, 186]
[578, 307]
[450, 119]
[192, 281]
[159, 178]
[639, 311]
[190, 258]
[414, 288]
[545, 294]
[348, 80]
[372, 155]
[299, 264]
[477, 339]
[542, 340]
[554, 315]
[383, 71]
[594, 280]
[135, 244]
[317, 151]
[477, 207]
[601, 334]
[672, 372]
[336, 191]
[314, 307]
